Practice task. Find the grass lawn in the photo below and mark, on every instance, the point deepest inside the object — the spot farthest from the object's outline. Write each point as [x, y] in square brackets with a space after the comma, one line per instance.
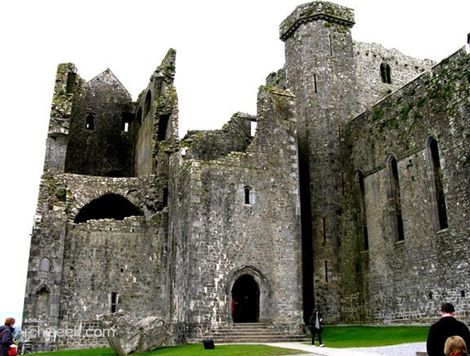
[333, 336]
[369, 336]
[186, 350]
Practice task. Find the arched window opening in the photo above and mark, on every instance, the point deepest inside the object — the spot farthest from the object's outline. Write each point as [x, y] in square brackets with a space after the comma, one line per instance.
[109, 206]
[148, 102]
[386, 73]
[163, 127]
[362, 207]
[45, 265]
[41, 307]
[396, 200]
[439, 198]
[70, 86]
[245, 300]
[90, 122]
[248, 195]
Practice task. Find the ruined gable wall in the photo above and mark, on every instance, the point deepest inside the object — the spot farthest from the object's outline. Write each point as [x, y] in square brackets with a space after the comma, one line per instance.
[156, 120]
[235, 136]
[98, 143]
[370, 87]
[408, 280]
[226, 238]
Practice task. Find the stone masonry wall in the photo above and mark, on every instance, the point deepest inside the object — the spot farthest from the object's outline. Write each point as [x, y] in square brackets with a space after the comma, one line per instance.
[370, 87]
[228, 238]
[407, 280]
[89, 261]
[320, 71]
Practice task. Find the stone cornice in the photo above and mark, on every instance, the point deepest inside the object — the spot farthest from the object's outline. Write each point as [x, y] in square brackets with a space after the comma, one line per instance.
[318, 10]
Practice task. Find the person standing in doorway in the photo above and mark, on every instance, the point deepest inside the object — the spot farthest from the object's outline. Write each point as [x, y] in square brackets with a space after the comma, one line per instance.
[315, 323]
[445, 327]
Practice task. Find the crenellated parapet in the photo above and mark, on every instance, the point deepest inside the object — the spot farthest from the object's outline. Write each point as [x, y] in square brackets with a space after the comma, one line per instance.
[318, 10]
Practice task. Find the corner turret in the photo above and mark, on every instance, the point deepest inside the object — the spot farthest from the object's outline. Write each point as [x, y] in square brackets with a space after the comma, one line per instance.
[318, 10]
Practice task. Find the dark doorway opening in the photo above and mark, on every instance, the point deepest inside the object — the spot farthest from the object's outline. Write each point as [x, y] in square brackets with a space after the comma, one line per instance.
[245, 300]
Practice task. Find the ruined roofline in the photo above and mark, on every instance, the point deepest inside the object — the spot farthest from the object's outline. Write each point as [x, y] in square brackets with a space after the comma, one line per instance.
[430, 71]
[318, 10]
[109, 72]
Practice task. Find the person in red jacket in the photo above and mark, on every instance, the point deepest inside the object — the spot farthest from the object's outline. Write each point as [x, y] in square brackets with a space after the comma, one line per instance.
[442, 329]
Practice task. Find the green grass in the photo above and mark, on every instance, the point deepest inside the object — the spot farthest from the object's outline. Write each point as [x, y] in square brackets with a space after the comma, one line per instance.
[333, 336]
[187, 350]
[369, 336]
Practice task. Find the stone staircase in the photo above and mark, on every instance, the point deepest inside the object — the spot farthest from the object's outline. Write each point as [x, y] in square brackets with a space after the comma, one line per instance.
[253, 333]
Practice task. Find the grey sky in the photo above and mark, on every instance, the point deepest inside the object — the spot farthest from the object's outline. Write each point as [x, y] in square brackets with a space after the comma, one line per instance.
[225, 49]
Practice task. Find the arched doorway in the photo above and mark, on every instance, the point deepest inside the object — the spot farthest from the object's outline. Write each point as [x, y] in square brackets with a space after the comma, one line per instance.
[245, 300]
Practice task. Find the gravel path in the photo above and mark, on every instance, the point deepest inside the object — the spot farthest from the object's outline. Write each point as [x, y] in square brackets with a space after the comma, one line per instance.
[395, 350]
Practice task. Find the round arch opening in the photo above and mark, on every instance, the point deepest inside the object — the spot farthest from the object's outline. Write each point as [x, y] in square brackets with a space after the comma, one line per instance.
[245, 300]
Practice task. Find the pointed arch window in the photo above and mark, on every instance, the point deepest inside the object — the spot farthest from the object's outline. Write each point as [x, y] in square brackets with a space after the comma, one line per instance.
[437, 186]
[386, 73]
[396, 200]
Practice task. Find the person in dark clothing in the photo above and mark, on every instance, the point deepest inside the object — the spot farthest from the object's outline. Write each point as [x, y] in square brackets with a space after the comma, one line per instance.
[442, 329]
[315, 323]
[6, 332]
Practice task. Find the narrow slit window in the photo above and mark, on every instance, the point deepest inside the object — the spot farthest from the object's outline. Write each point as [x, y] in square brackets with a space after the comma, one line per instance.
[326, 271]
[362, 207]
[330, 43]
[253, 125]
[248, 195]
[439, 199]
[165, 196]
[90, 122]
[396, 200]
[114, 302]
[315, 83]
[323, 221]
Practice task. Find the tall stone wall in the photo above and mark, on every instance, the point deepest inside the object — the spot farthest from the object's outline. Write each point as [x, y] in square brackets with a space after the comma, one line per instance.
[228, 237]
[370, 59]
[320, 71]
[408, 279]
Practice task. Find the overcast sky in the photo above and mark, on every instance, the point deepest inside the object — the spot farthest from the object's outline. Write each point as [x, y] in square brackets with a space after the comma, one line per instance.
[225, 49]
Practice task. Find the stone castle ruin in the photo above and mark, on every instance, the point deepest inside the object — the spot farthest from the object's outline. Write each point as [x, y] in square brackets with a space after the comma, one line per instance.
[352, 195]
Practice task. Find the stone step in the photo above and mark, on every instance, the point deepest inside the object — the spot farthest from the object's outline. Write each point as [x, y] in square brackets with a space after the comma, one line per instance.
[257, 340]
[253, 333]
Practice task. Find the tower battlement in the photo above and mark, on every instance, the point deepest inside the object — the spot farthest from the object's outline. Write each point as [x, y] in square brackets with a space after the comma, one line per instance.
[318, 10]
